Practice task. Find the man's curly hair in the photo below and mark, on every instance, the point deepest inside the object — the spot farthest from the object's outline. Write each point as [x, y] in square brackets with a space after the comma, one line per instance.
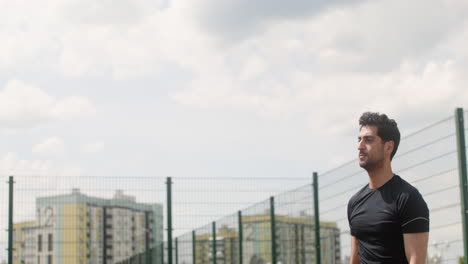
[387, 129]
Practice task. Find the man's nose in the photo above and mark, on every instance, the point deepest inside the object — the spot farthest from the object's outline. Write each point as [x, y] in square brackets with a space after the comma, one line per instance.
[360, 145]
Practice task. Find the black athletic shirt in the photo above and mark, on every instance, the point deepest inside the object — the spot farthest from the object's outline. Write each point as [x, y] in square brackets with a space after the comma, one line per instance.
[379, 217]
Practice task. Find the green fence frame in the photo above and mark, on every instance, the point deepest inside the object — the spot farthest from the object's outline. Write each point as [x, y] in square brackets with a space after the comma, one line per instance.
[461, 146]
[148, 257]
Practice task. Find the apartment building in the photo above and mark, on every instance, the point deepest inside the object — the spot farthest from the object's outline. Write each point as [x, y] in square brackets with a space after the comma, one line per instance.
[295, 241]
[77, 229]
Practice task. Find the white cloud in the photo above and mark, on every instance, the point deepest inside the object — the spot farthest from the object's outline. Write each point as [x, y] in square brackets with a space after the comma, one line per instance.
[24, 106]
[340, 58]
[237, 20]
[128, 39]
[369, 56]
[72, 107]
[75, 37]
[19, 101]
[107, 12]
[254, 67]
[435, 87]
[50, 146]
[11, 164]
[377, 35]
[93, 147]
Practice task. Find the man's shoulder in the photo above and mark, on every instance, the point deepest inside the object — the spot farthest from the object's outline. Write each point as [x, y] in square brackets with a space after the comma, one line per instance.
[407, 193]
[402, 186]
[358, 194]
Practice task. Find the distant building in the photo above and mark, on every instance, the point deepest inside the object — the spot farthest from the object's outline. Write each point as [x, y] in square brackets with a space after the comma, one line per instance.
[77, 229]
[226, 247]
[295, 241]
[24, 242]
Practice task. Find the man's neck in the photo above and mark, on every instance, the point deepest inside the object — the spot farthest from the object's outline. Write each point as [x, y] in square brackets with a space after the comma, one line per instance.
[380, 176]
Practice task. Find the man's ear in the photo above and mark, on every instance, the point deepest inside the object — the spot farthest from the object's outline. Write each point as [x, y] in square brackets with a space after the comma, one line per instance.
[389, 146]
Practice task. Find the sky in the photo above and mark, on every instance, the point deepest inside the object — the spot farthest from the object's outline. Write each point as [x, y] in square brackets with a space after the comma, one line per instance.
[222, 87]
[217, 88]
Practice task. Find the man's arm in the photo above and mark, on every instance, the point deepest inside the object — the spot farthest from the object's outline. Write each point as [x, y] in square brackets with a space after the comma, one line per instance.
[416, 247]
[354, 251]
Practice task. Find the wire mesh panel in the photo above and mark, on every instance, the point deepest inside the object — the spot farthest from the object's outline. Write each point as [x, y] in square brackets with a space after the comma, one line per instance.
[185, 249]
[227, 239]
[256, 228]
[200, 201]
[428, 160]
[295, 226]
[336, 187]
[86, 219]
[164, 256]
[203, 245]
[120, 219]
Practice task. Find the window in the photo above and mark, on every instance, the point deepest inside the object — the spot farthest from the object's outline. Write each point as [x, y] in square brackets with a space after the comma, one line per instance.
[39, 243]
[49, 259]
[50, 242]
[38, 260]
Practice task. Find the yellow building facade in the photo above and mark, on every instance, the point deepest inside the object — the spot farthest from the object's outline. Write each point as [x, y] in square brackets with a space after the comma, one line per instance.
[295, 241]
[78, 229]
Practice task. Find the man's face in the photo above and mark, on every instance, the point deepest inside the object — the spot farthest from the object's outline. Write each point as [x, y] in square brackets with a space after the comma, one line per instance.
[370, 148]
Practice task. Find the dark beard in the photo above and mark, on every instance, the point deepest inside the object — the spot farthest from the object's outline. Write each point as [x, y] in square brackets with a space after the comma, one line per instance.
[370, 165]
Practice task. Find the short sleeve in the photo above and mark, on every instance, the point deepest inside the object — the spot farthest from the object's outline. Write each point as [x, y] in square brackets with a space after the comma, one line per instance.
[349, 217]
[413, 212]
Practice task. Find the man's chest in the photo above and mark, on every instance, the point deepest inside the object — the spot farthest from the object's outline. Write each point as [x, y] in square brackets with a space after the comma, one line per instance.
[375, 218]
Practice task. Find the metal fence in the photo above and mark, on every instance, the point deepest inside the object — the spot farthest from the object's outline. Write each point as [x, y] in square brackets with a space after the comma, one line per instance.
[83, 219]
[279, 229]
[91, 219]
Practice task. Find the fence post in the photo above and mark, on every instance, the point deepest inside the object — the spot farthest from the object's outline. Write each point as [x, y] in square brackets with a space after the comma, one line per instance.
[154, 255]
[176, 251]
[149, 256]
[273, 230]
[162, 252]
[10, 221]
[303, 245]
[169, 220]
[156, 259]
[194, 248]
[241, 235]
[104, 237]
[296, 243]
[460, 126]
[318, 257]
[147, 239]
[214, 242]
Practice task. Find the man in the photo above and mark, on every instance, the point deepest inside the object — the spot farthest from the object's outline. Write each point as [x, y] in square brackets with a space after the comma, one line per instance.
[388, 218]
